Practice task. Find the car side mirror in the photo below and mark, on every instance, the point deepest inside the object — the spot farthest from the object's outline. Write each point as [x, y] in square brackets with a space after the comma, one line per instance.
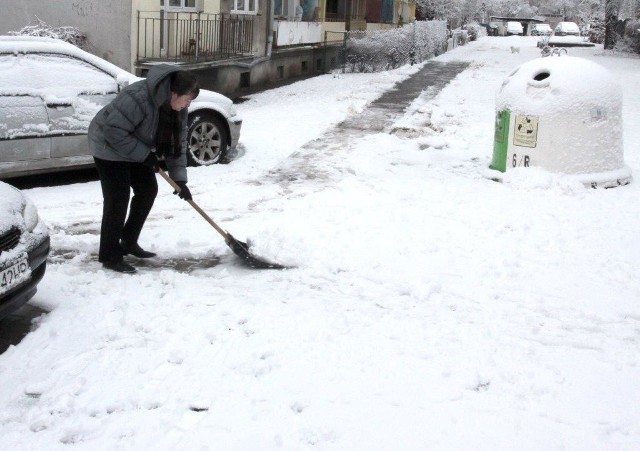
[122, 83]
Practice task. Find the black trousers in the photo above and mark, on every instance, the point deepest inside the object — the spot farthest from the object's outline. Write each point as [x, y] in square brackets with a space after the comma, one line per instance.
[117, 179]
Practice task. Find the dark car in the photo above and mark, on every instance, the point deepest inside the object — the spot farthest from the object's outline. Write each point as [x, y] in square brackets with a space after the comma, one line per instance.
[24, 247]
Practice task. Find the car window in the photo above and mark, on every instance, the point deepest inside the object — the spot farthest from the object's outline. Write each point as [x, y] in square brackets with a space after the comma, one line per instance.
[52, 76]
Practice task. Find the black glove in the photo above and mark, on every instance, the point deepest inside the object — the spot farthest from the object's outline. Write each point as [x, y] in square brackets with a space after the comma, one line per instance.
[151, 161]
[184, 193]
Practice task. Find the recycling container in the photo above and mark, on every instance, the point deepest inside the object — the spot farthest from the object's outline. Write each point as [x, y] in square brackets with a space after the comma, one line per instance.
[562, 114]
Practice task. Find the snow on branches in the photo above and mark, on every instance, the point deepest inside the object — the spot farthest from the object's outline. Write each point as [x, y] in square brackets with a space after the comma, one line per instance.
[71, 35]
[372, 51]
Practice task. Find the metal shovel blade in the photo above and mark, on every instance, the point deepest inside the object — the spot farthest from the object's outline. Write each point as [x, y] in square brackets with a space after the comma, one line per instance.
[241, 249]
[238, 247]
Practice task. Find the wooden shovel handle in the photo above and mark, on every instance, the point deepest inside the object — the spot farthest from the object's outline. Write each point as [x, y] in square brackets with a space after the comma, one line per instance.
[196, 207]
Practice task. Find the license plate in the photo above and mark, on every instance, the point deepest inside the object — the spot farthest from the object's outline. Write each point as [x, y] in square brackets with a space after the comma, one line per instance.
[14, 273]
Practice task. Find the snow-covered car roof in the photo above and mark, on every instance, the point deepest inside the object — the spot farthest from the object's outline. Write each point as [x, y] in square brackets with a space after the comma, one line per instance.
[32, 44]
[568, 26]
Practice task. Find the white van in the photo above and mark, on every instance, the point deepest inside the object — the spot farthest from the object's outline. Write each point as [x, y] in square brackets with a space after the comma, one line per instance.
[514, 28]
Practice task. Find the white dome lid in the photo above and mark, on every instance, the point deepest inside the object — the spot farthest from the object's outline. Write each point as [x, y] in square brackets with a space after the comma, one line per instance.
[554, 84]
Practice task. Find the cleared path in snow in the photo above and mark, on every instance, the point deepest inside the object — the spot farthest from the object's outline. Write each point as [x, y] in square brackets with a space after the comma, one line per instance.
[378, 117]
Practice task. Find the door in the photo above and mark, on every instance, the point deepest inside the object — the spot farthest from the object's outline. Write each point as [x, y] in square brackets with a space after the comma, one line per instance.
[75, 92]
[23, 116]
[46, 104]
[69, 122]
[23, 128]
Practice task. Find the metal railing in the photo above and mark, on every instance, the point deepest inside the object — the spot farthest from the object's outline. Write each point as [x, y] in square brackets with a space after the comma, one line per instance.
[193, 37]
[341, 17]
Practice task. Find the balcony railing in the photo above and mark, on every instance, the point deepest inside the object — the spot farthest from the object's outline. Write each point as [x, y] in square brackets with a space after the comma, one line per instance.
[193, 37]
[340, 17]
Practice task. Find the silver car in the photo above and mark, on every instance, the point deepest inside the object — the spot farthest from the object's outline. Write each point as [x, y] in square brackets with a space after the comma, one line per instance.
[24, 247]
[49, 92]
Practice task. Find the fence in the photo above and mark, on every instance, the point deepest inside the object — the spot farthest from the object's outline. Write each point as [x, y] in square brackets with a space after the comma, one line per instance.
[373, 51]
[193, 37]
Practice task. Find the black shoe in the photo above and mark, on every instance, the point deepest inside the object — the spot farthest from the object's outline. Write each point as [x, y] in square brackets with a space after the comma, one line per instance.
[120, 266]
[135, 250]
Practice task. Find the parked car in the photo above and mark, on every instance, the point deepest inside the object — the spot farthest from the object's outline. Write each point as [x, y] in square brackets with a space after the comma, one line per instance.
[24, 247]
[514, 28]
[567, 29]
[49, 92]
[541, 29]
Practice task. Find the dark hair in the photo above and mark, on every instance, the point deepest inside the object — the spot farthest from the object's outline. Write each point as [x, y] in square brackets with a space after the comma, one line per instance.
[184, 82]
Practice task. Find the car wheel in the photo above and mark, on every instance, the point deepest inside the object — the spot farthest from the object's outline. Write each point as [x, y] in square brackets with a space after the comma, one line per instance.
[207, 139]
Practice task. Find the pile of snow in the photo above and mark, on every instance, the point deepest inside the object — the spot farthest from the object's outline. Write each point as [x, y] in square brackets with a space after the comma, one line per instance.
[569, 41]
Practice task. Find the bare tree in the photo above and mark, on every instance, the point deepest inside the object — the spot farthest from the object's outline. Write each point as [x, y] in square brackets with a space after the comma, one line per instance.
[611, 10]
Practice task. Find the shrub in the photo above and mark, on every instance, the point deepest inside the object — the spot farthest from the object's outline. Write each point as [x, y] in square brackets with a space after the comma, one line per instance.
[596, 31]
[632, 34]
[71, 35]
[371, 51]
[475, 30]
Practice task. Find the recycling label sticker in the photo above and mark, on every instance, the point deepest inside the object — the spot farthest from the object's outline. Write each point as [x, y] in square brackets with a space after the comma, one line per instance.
[525, 131]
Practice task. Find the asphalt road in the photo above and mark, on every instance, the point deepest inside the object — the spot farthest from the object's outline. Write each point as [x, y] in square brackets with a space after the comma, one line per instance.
[54, 179]
[16, 326]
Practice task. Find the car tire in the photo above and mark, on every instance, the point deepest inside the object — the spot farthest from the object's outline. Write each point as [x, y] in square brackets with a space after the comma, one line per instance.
[207, 139]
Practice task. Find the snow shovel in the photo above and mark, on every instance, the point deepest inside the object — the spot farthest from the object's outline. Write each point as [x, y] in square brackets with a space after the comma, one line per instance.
[238, 247]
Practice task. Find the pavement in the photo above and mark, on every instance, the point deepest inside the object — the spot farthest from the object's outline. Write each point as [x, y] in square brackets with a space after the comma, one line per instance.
[378, 117]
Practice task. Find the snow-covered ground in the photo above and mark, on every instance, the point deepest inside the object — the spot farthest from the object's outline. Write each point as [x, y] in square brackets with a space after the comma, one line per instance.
[430, 308]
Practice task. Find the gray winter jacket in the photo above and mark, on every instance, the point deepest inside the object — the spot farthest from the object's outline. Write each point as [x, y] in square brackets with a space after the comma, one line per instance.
[126, 129]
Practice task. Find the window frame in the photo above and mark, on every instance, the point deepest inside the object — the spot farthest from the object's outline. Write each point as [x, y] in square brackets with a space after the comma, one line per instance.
[164, 4]
[245, 10]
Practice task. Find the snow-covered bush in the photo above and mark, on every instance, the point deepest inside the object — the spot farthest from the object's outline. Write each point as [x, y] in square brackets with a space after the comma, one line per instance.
[71, 35]
[632, 34]
[627, 37]
[431, 39]
[626, 45]
[372, 51]
[596, 31]
[475, 30]
[460, 37]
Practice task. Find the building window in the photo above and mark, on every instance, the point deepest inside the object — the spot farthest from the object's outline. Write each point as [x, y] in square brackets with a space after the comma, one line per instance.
[245, 7]
[281, 8]
[181, 5]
